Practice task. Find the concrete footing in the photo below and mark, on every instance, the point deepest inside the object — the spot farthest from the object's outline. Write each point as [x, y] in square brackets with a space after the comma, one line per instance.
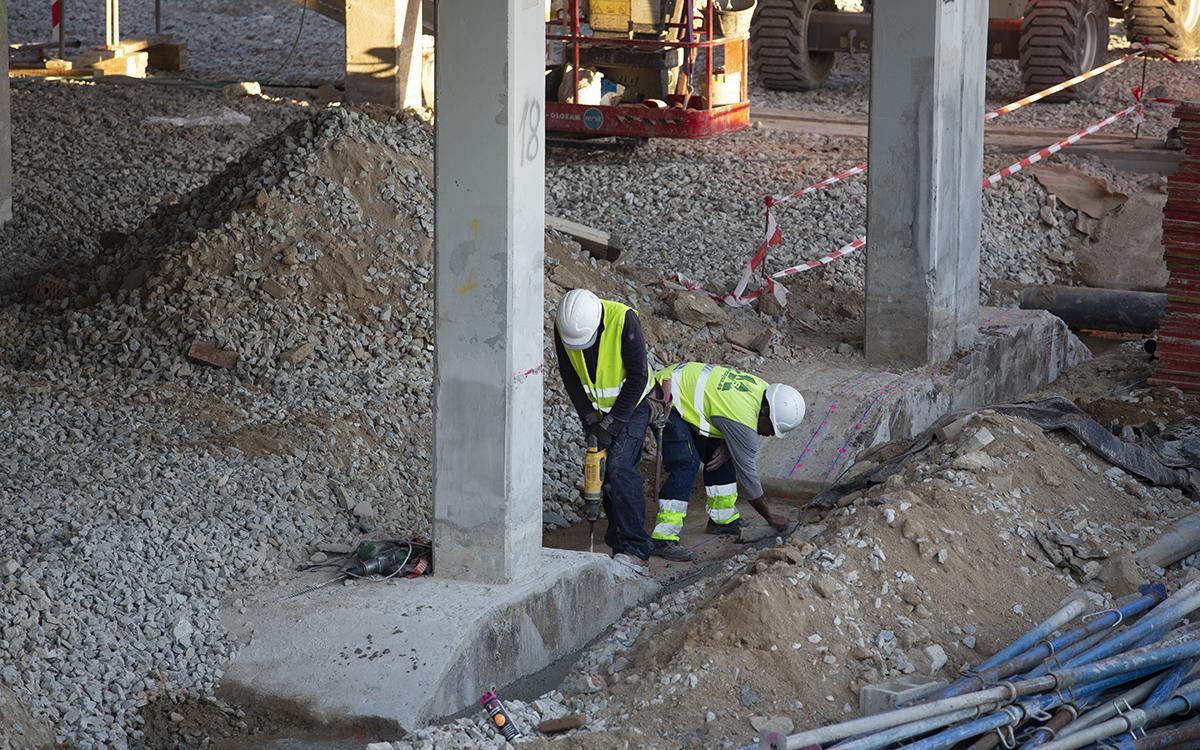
[405, 652]
[851, 409]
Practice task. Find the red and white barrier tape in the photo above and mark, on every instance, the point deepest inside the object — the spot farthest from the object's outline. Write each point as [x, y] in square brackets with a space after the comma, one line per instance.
[773, 235]
[739, 297]
[1054, 148]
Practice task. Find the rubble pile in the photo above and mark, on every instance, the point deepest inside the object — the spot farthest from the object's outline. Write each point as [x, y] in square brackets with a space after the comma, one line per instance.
[889, 583]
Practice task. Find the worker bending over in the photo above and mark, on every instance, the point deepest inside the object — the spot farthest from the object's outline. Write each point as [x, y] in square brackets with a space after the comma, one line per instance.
[717, 415]
[602, 361]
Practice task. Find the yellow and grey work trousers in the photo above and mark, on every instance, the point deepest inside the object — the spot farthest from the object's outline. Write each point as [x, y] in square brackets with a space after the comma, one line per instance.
[684, 451]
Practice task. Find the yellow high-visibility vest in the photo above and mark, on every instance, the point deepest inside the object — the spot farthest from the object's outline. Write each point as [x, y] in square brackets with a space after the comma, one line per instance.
[702, 392]
[610, 365]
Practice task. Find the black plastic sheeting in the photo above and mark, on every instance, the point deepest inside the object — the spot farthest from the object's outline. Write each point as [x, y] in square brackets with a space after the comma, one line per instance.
[1166, 458]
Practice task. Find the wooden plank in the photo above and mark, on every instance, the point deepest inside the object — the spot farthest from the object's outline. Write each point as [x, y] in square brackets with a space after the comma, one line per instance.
[124, 49]
[598, 243]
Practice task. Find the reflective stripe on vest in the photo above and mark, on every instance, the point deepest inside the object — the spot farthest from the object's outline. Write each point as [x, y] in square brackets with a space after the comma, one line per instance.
[702, 392]
[610, 365]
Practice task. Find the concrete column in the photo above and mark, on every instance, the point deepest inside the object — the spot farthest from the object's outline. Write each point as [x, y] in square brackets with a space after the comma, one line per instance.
[6, 169]
[490, 177]
[383, 52]
[923, 194]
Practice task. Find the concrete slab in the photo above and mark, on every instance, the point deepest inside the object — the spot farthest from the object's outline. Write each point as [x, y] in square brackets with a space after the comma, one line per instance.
[404, 652]
[851, 409]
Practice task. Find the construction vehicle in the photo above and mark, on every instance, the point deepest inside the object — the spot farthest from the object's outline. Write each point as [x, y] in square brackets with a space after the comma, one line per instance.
[793, 42]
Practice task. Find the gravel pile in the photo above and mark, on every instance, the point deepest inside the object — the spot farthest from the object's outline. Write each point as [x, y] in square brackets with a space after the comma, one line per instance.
[144, 486]
[86, 165]
[226, 40]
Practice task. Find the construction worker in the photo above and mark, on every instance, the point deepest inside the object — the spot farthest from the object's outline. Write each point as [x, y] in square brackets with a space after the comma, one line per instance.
[602, 361]
[717, 416]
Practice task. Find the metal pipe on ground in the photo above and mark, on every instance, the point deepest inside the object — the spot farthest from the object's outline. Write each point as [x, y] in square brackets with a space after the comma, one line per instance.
[1184, 601]
[1065, 614]
[1011, 717]
[1109, 709]
[1181, 541]
[1187, 697]
[1096, 625]
[1098, 309]
[1182, 735]
[1001, 695]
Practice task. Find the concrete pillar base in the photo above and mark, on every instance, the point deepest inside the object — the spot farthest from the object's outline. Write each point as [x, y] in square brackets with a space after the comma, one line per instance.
[851, 409]
[446, 641]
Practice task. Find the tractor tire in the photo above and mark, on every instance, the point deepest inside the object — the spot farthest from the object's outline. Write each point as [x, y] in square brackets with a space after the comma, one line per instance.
[779, 44]
[1175, 24]
[1061, 39]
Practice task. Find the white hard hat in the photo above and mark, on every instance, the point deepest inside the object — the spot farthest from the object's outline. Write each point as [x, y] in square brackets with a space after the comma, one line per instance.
[579, 316]
[787, 407]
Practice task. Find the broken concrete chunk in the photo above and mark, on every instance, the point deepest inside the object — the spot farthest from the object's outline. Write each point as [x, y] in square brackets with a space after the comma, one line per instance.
[975, 461]
[937, 657]
[243, 88]
[565, 724]
[274, 288]
[764, 724]
[697, 309]
[826, 586]
[748, 338]
[951, 430]
[299, 354]
[204, 353]
[977, 441]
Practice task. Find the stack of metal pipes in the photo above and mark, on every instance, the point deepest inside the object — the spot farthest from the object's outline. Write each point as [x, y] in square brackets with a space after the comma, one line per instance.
[1123, 678]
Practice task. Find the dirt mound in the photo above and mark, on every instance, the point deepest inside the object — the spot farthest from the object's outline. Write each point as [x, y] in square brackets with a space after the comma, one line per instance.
[975, 541]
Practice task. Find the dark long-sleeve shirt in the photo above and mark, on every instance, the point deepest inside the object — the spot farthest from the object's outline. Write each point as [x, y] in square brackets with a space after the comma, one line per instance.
[633, 352]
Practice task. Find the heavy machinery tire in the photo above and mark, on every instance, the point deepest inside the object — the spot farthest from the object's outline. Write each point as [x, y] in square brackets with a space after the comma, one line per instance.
[1061, 39]
[1175, 24]
[779, 45]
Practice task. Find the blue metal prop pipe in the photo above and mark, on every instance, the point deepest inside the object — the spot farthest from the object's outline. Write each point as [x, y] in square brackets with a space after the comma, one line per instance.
[1018, 712]
[1031, 658]
[1184, 700]
[1162, 617]
[1065, 614]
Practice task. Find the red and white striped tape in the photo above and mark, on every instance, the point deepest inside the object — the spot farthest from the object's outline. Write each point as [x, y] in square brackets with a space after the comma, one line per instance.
[740, 297]
[1054, 148]
[773, 234]
[55, 19]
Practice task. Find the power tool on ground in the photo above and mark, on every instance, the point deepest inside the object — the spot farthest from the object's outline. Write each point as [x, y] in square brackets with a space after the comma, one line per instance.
[593, 486]
[383, 558]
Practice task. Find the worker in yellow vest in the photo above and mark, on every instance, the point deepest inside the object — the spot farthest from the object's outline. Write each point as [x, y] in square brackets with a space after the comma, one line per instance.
[717, 416]
[602, 361]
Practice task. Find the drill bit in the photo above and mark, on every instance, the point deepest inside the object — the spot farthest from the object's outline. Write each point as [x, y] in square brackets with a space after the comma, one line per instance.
[591, 535]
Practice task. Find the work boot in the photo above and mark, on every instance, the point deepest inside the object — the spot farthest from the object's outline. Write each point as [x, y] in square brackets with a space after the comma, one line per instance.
[673, 551]
[733, 528]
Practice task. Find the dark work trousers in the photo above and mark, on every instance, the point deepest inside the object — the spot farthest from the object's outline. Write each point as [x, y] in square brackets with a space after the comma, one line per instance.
[684, 450]
[624, 493]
